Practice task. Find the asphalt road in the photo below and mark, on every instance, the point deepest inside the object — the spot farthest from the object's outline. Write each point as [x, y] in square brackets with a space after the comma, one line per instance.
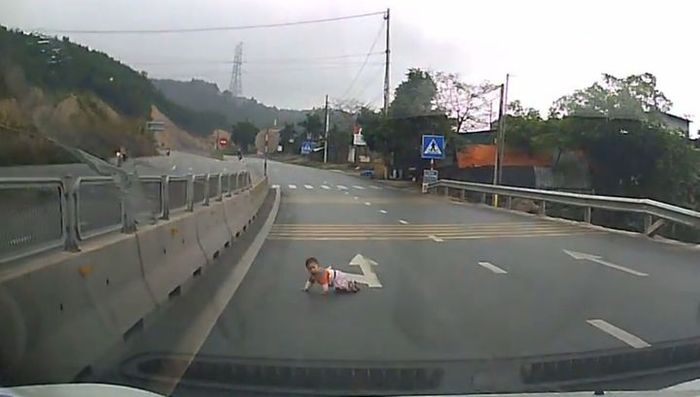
[457, 281]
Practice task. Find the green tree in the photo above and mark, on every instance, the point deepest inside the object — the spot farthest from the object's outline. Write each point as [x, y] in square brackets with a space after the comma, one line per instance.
[313, 124]
[243, 133]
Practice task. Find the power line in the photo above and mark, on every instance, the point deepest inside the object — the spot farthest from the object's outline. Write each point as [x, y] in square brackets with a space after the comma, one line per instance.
[209, 29]
[359, 72]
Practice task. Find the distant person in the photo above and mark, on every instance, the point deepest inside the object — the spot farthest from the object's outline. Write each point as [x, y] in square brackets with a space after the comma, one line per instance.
[239, 154]
[328, 278]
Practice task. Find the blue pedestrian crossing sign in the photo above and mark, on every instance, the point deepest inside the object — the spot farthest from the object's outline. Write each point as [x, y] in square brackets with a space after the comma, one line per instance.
[306, 147]
[433, 147]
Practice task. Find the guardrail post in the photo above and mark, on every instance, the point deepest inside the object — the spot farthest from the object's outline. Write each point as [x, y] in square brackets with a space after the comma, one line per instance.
[190, 193]
[206, 190]
[509, 202]
[587, 214]
[230, 185]
[165, 197]
[128, 217]
[483, 198]
[447, 191]
[70, 214]
[648, 221]
[543, 208]
[463, 195]
[220, 190]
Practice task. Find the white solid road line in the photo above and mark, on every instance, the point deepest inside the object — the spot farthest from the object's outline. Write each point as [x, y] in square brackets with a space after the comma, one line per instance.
[325, 187]
[403, 222]
[619, 333]
[382, 211]
[308, 186]
[342, 187]
[435, 238]
[492, 267]
[367, 203]
[358, 187]
[292, 186]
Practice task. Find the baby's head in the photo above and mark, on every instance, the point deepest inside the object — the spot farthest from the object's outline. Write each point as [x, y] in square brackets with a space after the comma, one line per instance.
[312, 265]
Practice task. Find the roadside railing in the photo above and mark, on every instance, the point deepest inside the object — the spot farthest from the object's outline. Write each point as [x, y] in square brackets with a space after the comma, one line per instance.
[38, 214]
[655, 214]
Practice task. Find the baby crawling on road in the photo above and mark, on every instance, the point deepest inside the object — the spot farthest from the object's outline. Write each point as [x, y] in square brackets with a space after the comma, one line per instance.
[328, 278]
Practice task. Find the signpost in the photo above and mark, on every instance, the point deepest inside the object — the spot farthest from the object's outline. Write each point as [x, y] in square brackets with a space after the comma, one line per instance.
[433, 148]
[306, 147]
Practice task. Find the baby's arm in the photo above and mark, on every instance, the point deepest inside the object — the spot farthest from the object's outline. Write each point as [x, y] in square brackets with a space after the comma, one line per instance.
[325, 288]
[309, 283]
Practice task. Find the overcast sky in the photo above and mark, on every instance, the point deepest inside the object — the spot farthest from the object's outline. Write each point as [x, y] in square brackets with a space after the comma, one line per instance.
[549, 47]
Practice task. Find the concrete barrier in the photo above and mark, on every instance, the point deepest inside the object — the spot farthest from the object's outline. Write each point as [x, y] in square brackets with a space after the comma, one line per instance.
[212, 231]
[170, 256]
[61, 312]
[72, 310]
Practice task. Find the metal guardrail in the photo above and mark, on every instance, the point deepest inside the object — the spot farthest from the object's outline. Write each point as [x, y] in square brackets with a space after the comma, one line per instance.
[655, 212]
[45, 213]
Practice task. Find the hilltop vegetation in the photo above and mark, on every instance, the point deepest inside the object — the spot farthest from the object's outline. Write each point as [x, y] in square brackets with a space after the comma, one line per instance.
[203, 96]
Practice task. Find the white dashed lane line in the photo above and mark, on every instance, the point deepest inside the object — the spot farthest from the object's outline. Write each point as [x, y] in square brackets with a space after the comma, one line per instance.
[619, 333]
[367, 203]
[382, 211]
[492, 267]
[403, 222]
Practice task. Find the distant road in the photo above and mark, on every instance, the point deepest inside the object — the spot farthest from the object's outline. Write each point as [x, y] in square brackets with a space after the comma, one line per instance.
[178, 163]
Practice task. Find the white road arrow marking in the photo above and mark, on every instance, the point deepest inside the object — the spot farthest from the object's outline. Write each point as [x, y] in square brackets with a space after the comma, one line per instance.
[492, 267]
[368, 277]
[597, 259]
[619, 333]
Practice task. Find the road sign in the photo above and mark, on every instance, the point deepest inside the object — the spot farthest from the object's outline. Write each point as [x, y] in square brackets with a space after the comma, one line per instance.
[223, 142]
[433, 147]
[306, 147]
[429, 176]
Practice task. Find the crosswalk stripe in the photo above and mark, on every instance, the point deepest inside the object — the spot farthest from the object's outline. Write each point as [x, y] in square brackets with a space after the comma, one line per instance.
[375, 187]
[492, 267]
[358, 187]
[403, 222]
[292, 186]
[325, 187]
[275, 186]
[308, 187]
[382, 211]
[342, 187]
[367, 203]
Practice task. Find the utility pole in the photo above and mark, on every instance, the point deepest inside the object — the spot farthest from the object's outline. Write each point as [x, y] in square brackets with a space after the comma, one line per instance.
[502, 131]
[387, 84]
[497, 139]
[325, 132]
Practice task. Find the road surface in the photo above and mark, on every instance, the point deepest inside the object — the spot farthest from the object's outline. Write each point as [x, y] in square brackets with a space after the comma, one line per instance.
[457, 281]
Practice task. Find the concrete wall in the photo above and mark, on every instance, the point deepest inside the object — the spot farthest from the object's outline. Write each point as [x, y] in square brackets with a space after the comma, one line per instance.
[61, 312]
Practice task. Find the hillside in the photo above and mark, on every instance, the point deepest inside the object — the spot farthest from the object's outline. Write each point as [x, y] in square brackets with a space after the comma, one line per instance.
[51, 87]
[205, 97]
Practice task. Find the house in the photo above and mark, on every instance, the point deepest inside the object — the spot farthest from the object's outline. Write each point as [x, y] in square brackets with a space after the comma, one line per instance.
[676, 123]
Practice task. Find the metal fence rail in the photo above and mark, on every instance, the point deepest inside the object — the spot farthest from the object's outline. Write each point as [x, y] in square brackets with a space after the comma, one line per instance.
[31, 215]
[38, 214]
[655, 213]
